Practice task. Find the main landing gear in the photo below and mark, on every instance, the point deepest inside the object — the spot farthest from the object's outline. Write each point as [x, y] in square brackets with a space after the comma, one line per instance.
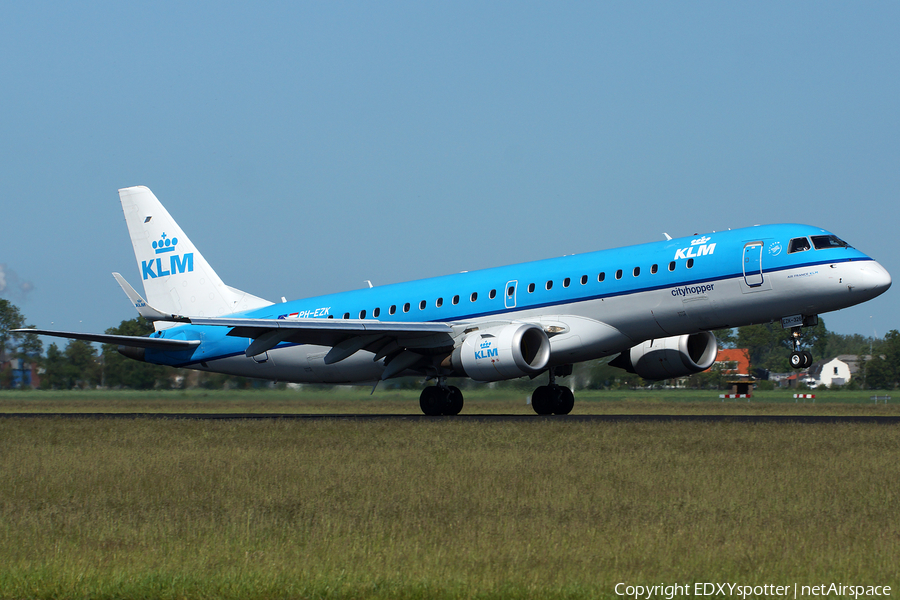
[441, 399]
[554, 399]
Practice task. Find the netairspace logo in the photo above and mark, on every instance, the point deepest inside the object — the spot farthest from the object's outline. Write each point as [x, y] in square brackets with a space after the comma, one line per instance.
[736, 590]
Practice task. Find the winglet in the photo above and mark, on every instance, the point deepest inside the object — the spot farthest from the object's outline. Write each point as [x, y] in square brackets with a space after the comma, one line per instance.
[144, 309]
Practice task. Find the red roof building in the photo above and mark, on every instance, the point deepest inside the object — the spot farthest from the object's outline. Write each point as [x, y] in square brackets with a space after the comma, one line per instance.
[735, 361]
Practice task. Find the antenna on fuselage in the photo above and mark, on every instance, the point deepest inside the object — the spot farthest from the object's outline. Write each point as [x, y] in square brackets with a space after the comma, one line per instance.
[668, 237]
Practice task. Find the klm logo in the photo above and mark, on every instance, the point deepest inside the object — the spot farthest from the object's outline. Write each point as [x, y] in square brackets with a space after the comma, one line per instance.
[699, 247]
[176, 263]
[486, 351]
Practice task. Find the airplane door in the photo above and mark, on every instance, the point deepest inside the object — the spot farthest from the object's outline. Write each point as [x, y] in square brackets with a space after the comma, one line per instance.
[754, 280]
[509, 298]
[753, 275]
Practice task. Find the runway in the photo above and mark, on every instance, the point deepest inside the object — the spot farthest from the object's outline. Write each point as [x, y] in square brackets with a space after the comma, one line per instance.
[800, 419]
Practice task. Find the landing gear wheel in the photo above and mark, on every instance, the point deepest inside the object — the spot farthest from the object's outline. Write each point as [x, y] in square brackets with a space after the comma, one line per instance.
[807, 359]
[437, 400]
[542, 400]
[801, 359]
[565, 401]
[454, 401]
[552, 400]
[430, 401]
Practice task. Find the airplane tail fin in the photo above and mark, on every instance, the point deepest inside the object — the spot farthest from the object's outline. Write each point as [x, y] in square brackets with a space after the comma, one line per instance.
[177, 279]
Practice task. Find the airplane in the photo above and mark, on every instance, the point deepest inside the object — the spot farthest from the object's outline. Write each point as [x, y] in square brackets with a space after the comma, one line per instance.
[653, 305]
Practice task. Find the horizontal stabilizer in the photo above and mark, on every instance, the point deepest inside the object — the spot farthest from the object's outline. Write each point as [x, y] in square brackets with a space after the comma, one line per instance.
[144, 309]
[134, 341]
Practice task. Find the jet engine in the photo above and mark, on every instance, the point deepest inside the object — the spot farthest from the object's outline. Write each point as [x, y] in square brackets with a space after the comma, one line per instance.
[669, 357]
[499, 353]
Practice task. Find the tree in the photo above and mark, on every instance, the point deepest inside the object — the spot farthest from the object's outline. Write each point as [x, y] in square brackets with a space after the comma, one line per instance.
[883, 370]
[769, 345]
[25, 347]
[119, 371]
[83, 369]
[10, 318]
[76, 366]
[55, 375]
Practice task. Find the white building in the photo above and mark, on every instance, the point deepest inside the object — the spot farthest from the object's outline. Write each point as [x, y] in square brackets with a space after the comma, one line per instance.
[832, 372]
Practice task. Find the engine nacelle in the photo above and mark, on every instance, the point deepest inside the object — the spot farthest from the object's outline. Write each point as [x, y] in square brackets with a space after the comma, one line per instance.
[670, 357]
[504, 352]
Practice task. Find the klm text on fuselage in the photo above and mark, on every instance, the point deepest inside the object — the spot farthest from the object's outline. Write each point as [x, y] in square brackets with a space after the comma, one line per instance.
[156, 267]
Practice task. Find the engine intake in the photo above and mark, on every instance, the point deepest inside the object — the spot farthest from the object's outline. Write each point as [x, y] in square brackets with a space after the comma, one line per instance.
[670, 357]
[506, 352]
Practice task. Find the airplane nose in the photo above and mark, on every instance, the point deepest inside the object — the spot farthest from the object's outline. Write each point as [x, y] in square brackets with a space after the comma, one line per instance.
[873, 279]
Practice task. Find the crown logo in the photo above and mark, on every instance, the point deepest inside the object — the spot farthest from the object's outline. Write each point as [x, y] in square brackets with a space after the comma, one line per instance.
[701, 240]
[165, 244]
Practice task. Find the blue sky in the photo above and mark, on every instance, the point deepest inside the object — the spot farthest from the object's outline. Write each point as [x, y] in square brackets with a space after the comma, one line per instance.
[308, 147]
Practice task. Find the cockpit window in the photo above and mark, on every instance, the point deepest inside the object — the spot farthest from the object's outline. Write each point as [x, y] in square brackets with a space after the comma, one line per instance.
[798, 245]
[828, 241]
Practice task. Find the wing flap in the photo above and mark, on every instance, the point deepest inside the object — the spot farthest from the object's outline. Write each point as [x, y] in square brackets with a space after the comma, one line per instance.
[241, 326]
[345, 336]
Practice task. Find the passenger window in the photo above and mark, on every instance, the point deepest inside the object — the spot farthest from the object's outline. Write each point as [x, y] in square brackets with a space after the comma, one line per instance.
[690, 263]
[406, 307]
[376, 313]
[473, 297]
[654, 269]
[798, 245]
[393, 309]
[583, 279]
[672, 266]
[362, 314]
[439, 302]
[422, 305]
[346, 315]
[456, 299]
[637, 271]
[601, 277]
[530, 288]
[566, 282]
[549, 284]
[619, 274]
[493, 294]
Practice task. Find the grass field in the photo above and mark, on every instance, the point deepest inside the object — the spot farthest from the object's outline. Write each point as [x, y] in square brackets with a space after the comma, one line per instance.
[438, 509]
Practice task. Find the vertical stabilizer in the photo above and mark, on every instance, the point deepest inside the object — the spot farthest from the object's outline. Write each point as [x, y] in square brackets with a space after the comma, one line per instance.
[177, 279]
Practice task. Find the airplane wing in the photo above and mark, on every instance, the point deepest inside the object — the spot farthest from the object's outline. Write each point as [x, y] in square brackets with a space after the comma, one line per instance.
[134, 341]
[345, 336]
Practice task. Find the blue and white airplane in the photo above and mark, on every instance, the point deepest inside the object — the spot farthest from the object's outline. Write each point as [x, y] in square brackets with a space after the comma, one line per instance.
[653, 304]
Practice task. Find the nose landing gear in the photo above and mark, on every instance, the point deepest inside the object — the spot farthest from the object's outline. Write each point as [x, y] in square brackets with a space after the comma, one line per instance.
[800, 359]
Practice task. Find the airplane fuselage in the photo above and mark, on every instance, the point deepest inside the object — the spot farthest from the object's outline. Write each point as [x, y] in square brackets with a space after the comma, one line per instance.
[594, 305]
